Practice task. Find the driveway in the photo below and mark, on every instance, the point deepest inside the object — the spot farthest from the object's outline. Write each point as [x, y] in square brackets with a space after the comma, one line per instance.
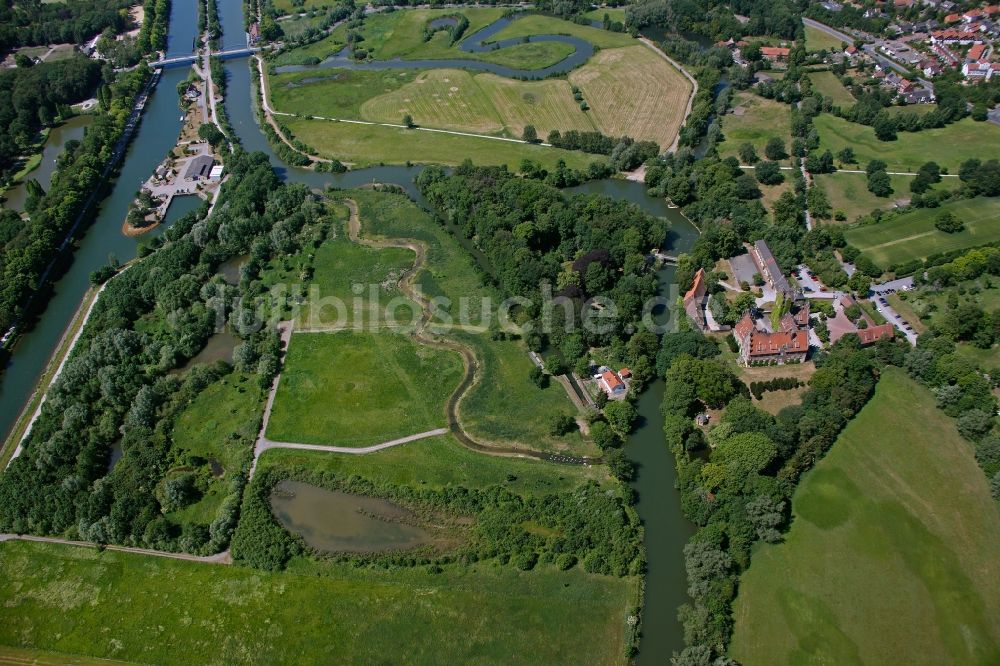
[896, 320]
[811, 286]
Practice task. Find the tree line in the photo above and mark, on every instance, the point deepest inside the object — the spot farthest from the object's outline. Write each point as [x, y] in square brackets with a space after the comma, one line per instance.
[73, 21]
[740, 492]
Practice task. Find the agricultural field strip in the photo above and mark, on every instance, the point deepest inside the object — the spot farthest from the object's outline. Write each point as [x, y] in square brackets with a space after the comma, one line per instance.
[270, 110]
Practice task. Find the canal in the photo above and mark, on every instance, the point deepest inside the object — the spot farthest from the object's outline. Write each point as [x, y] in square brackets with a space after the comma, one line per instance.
[658, 502]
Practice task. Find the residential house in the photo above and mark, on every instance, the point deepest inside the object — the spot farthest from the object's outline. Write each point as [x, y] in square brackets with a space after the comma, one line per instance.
[611, 383]
[757, 346]
[920, 96]
[976, 52]
[930, 68]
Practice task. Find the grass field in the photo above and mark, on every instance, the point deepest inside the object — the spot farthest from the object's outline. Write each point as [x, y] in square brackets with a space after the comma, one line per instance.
[504, 403]
[614, 13]
[657, 93]
[339, 265]
[159, 611]
[817, 40]
[891, 557]
[548, 104]
[849, 192]
[536, 24]
[913, 236]
[448, 98]
[368, 145]
[334, 93]
[440, 462]
[218, 425]
[356, 389]
[761, 119]
[399, 34]
[948, 146]
[322, 49]
[829, 85]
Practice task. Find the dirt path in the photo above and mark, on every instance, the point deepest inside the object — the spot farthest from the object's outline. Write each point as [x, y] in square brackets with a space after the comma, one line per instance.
[694, 91]
[469, 360]
[219, 558]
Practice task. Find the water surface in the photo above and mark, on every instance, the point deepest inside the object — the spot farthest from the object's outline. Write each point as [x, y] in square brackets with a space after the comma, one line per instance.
[336, 522]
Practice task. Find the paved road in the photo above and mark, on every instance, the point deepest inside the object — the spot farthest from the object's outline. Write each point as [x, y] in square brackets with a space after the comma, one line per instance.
[896, 320]
[870, 47]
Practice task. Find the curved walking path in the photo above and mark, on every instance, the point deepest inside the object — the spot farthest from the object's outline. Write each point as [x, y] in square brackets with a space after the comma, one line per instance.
[469, 360]
[694, 91]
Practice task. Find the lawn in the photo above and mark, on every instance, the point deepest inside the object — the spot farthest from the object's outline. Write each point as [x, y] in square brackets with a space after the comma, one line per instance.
[218, 426]
[829, 85]
[441, 462]
[817, 40]
[848, 192]
[949, 146]
[334, 93]
[361, 388]
[634, 92]
[891, 555]
[369, 145]
[912, 235]
[399, 34]
[754, 120]
[160, 611]
[614, 13]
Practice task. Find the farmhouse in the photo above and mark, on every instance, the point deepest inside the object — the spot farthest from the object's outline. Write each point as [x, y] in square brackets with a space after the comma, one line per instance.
[757, 346]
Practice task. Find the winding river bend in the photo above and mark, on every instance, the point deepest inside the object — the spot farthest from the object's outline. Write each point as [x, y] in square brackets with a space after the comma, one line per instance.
[478, 42]
[658, 503]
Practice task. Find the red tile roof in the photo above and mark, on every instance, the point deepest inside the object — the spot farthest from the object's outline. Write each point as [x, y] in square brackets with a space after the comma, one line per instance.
[767, 344]
[611, 379]
[625, 372]
[952, 18]
[744, 326]
[876, 333]
[698, 283]
[976, 52]
[771, 51]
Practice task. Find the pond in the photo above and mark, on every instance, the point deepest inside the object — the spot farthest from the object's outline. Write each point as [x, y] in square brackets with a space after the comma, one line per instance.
[218, 348]
[337, 522]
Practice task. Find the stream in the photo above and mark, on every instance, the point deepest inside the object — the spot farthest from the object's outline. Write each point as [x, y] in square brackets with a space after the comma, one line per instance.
[658, 501]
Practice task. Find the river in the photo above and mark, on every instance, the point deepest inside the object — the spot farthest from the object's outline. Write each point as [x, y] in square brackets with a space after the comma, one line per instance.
[658, 501]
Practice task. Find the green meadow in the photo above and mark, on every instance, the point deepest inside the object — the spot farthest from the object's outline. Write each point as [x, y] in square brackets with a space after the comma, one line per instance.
[891, 557]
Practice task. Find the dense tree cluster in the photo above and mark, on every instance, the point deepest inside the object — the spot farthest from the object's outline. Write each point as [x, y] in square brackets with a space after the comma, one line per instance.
[583, 247]
[115, 388]
[589, 525]
[32, 97]
[73, 21]
[739, 494]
